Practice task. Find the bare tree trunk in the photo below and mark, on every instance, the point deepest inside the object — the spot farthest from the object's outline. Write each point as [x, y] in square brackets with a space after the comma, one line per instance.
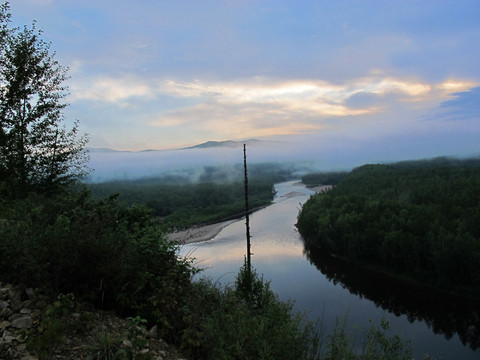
[52, 167]
[247, 219]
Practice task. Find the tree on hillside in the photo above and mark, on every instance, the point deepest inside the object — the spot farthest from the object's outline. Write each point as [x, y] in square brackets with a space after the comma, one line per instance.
[37, 152]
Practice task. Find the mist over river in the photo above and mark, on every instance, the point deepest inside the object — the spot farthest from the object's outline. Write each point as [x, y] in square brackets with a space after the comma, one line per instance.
[445, 327]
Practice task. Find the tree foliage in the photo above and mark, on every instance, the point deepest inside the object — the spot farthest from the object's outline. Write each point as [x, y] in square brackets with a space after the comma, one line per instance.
[113, 256]
[326, 178]
[421, 220]
[216, 195]
[184, 205]
[37, 151]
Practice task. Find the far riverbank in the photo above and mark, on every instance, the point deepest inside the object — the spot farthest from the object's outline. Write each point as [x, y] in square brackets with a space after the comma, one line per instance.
[201, 233]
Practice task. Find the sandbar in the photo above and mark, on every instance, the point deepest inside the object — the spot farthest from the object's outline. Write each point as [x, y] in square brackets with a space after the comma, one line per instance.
[198, 233]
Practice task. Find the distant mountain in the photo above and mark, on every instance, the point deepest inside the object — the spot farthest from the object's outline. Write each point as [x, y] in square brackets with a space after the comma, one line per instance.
[104, 150]
[226, 143]
[205, 145]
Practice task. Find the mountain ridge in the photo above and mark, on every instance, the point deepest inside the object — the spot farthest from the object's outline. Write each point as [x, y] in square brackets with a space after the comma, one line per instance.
[204, 145]
[225, 143]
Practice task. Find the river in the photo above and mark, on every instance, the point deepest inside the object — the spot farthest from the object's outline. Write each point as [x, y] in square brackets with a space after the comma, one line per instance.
[442, 326]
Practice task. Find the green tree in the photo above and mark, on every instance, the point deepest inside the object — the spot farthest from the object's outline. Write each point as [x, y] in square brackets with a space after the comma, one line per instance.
[37, 151]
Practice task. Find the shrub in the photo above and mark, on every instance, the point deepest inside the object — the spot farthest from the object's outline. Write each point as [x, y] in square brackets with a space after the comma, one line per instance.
[103, 252]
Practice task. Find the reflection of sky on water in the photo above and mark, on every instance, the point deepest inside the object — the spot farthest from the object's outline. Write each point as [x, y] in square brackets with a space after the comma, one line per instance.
[227, 250]
[279, 256]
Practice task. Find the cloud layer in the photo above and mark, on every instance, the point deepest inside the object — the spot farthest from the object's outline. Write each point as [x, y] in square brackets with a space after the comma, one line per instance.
[263, 107]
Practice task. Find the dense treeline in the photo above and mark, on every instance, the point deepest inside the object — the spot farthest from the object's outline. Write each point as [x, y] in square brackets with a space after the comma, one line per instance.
[327, 178]
[216, 194]
[418, 219]
[187, 204]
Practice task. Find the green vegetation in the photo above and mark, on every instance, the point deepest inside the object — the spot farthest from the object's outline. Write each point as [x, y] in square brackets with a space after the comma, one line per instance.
[216, 194]
[417, 219]
[327, 178]
[116, 257]
[111, 255]
[183, 205]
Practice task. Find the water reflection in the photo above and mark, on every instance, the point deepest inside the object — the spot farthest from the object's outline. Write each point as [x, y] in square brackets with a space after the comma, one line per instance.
[443, 313]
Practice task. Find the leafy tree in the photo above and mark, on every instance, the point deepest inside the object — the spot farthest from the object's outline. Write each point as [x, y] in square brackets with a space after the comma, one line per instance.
[37, 151]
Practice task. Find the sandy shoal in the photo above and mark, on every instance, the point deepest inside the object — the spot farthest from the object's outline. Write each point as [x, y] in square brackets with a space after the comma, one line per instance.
[198, 233]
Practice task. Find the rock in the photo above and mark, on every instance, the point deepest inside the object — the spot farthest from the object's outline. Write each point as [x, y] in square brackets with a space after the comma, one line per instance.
[16, 304]
[28, 314]
[153, 333]
[24, 322]
[30, 293]
[3, 304]
[15, 316]
[8, 339]
[5, 313]
[21, 348]
[4, 324]
[29, 357]
[127, 343]
[29, 304]
[3, 291]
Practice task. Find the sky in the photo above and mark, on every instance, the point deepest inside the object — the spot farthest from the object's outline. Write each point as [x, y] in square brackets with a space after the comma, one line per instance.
[368, 80]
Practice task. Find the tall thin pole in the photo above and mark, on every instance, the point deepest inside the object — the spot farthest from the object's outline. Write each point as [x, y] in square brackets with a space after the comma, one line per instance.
[247, 219]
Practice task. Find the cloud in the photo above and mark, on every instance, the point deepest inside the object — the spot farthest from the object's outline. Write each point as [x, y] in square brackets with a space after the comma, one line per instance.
[463, 105]
[114, 90]
[268, 107]
[260, 90]
[265, 107]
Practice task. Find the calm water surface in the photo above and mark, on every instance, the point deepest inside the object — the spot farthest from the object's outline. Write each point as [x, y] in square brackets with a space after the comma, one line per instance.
[445, 328]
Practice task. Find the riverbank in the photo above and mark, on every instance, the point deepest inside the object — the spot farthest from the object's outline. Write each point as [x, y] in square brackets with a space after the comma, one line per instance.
[198, 233]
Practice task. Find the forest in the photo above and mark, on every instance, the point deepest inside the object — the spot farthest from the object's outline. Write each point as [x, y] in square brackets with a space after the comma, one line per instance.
[417, 219]
[214, 195]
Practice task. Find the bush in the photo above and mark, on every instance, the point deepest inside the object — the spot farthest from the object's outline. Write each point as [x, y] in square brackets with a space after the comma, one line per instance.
[103, 252]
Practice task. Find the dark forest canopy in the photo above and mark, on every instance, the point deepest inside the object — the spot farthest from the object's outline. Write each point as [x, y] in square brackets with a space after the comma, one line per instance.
[420, 219]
